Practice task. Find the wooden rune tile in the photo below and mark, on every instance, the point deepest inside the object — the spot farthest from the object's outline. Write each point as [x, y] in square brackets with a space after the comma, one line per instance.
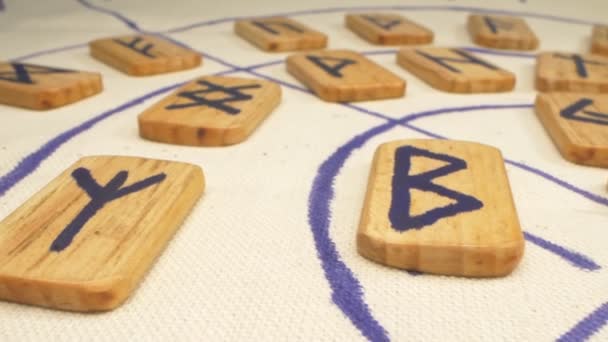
[343, 75]
[144, 55]
[84, 241]
[568, 72]
[280, 34]
[388, 29]
[442, 207]
[455, 70]
[578, 125]
[43, 87]
[502, 32]
[210, 111]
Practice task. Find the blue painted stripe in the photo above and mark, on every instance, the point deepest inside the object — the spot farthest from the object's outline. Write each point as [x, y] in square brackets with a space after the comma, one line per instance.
[588, 326]
[577, 259]
[32, 161]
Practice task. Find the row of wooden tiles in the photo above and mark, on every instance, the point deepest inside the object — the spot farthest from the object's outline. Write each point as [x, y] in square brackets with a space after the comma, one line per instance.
[494, 31]
[217, 111]
[334, 75]
[85, 241]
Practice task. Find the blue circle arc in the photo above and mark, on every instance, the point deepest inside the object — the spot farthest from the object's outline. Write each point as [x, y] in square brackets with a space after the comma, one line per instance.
[322, 192]
[347, 292]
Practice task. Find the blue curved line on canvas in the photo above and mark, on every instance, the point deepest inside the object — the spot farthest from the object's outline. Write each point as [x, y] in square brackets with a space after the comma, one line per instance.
[347, 293]
[130, 23]
[573, 257]
[32, 161]
[588, 326]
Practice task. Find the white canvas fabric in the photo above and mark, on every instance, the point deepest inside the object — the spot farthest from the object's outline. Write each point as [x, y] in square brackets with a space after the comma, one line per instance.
[269, 253]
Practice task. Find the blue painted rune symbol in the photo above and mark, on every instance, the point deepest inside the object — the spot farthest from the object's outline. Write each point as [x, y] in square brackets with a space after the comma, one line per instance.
[467, 58]
[144, 49]
[331, 65]
[22, 72]
[234, 94]
[496, 24]
[580, 63]
[267, 26]
[384, 23]
[100, 196]
[399, 213]
[576, 111]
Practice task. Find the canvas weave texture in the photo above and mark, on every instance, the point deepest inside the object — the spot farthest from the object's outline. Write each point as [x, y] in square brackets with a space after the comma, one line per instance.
[269, 253]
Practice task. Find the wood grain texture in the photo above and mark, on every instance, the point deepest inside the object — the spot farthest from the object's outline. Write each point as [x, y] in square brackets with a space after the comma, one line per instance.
[43, 87]
[456, 73]
[501, 32]
[114, 248]
[388, 29]
[280, 34]
[201, 114]
[599, 40]
[348, 76]
[484, 242]
[562, 72]
[577, 124]
[144, 55]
